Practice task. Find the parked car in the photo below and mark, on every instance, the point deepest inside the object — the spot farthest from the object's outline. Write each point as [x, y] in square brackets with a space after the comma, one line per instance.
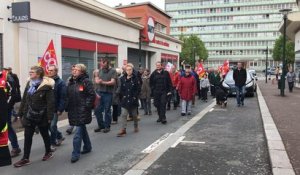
[270, 70]
[253, 73]
[229, 84]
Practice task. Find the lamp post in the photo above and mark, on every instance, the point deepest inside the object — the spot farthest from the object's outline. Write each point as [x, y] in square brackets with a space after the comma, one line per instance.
[282, 79]
[267, 50]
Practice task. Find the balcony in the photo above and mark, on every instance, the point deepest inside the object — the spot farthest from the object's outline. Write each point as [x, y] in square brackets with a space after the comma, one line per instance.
[224, 31]
[181, 7]
[227, 22]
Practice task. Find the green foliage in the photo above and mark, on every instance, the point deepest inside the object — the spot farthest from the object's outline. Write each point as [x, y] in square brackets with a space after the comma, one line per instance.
[278, 50]
[192, 45]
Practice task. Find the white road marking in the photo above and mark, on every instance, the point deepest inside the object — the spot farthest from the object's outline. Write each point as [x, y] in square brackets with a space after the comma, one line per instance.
[211, 109]
[192, 142]
[149, 159]
[178, 141]
[155, 144]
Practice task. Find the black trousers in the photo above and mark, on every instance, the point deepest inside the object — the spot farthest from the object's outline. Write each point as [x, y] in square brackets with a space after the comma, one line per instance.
[291, 86]
[29, 131]
[204, 93]
[160, 102]
[116, 112]
[213, 90]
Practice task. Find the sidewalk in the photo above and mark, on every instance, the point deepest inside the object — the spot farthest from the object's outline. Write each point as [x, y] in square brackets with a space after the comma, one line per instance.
[286, 114]
[224, 141]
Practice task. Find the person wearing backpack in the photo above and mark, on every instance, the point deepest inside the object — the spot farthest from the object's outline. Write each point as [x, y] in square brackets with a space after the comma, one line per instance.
[80, 100]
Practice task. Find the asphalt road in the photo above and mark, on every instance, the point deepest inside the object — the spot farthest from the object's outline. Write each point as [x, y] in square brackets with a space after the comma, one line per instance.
[227, 141]
[110, 155]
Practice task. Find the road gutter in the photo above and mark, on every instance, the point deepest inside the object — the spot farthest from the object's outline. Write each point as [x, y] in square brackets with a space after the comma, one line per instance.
[149, 159]
[280, 161]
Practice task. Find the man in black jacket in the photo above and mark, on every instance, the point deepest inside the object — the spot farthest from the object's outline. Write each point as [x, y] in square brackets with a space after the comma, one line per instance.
[240, 77]
[161, 85]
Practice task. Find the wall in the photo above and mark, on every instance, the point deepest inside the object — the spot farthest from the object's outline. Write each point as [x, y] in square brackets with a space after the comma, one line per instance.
[145, 10]
[10, 37]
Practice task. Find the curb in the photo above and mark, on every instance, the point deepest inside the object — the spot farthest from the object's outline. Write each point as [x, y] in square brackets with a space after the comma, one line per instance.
[280, 162]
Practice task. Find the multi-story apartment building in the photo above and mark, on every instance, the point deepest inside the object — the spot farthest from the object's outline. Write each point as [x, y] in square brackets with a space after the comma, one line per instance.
[237, 30]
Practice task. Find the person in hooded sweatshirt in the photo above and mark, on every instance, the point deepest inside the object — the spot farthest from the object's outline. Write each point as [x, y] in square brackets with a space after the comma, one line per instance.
[36, 110]
[187, 89]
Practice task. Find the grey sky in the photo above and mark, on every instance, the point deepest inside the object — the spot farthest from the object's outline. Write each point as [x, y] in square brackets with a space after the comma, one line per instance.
[113, 3]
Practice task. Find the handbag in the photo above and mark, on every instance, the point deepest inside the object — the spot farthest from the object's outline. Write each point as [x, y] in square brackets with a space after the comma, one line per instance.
[97, 101]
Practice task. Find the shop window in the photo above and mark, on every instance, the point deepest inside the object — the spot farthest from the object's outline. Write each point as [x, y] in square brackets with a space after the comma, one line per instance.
[107, 51]
[1, 51]
[71, 57]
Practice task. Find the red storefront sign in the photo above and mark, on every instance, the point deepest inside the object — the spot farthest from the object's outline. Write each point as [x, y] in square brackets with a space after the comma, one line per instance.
[74, 43]
[165, 56]
[80, 44]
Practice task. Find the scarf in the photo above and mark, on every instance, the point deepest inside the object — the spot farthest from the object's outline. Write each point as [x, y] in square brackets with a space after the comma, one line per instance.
[34, 84]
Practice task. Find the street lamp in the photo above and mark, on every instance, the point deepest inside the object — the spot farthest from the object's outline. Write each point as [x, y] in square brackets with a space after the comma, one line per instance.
[282, 79]
[267, 50]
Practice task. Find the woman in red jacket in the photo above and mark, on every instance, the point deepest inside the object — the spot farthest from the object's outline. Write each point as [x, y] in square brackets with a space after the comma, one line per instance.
[187, 89]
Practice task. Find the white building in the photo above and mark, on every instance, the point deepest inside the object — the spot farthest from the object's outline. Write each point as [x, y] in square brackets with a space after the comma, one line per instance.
[82, 31]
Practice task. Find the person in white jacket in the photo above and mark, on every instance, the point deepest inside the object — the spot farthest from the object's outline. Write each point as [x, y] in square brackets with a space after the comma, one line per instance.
[204, 85]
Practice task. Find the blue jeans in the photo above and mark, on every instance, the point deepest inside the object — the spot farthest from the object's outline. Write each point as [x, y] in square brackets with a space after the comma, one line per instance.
[104, 106]
[12, 133]
[81, 134]
[55, 134]
[240, 94]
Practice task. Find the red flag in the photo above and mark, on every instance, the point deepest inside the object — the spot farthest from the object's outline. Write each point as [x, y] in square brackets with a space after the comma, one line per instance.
[200, 70]
[49, 57]
[225, 67]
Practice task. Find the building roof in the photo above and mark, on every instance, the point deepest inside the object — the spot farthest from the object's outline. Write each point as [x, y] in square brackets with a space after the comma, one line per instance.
[144, 3]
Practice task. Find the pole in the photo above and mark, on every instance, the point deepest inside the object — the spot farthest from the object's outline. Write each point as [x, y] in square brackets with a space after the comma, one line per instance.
[282, 85]
[267, 63]
[140, 51]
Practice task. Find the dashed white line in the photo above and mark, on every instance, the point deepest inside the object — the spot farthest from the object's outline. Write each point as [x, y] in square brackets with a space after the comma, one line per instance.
[155, 144]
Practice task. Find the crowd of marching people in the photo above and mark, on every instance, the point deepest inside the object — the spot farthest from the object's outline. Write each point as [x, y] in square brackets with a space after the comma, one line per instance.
[113, 95]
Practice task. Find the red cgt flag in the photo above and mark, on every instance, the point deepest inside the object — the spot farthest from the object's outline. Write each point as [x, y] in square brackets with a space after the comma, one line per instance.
[49, 57]
[200, 70]
[225, 68]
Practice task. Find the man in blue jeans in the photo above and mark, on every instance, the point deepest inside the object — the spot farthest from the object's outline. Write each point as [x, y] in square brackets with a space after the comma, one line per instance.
[240, 77]
[105, 82]
[60, 94]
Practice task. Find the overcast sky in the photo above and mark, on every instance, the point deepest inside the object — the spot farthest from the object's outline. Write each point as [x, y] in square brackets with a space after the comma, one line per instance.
[113, 3]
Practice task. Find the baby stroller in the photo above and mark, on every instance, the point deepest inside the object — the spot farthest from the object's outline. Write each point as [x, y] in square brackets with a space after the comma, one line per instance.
[221, 95]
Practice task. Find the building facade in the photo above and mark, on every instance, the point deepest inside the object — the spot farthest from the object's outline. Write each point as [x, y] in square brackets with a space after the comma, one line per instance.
[237, 30]
[83, 31]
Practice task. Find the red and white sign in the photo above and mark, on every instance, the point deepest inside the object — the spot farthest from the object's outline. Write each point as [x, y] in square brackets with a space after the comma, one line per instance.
[150, 27]
[149, 30]
[49, 57]
[165, 56]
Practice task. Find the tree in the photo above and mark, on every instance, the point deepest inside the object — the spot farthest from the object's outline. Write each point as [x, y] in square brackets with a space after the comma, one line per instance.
[191, 44]
[289, 50]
